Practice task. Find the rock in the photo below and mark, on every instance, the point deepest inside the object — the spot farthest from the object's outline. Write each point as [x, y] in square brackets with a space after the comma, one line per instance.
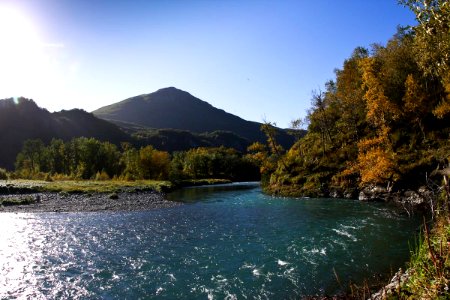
[335, 193]
[363, 196]
[413, 198]
[373, 193]
[392, 288]
[350, 194]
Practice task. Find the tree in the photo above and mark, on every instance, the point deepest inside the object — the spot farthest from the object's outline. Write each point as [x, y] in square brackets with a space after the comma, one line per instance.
[296, 128]
[432, 40]
[57, 157]
[32, 157]
[415, 103]
[320, 119]
[153, 164]
[130, 163]
[432, 45]
[349, 97]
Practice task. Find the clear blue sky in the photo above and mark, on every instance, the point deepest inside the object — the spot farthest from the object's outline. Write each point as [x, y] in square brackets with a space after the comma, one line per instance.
[255, 59]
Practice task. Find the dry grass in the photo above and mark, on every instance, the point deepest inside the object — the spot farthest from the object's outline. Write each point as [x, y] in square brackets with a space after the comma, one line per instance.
[88, 186]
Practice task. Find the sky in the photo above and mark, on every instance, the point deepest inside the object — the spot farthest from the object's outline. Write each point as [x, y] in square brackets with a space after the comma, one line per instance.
[259, 60]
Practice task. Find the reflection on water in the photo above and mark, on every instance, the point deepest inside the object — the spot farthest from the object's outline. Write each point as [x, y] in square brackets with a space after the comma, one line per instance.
[227, 244]
[207, 192]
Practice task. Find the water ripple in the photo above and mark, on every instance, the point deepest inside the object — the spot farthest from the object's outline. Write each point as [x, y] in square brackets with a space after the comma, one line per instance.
[246, 245]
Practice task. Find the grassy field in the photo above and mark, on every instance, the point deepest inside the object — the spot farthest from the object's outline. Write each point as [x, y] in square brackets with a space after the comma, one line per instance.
[85, 186]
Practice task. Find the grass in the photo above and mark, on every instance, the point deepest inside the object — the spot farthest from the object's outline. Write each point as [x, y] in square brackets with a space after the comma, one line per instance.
[89, 186]
[17, 201]
[430, 265]
[98, 186]
[108, 186]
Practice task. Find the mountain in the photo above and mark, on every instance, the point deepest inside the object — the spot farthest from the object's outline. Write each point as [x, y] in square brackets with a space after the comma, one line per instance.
[23, 119]
[169, 119]
[176, 109]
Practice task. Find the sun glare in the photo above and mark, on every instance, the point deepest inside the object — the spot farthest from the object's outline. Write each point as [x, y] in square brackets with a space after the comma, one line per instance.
[24, 64]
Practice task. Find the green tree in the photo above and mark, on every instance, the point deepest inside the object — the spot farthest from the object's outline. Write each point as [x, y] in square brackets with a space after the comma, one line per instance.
[130, 162]
[32, 158]
[58, 162]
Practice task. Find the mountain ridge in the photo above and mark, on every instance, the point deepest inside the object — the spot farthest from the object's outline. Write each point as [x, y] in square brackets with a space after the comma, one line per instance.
[23, 119]
[177, 109]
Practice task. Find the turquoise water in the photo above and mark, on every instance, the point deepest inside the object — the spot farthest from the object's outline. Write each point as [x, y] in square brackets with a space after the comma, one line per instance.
[222, 244]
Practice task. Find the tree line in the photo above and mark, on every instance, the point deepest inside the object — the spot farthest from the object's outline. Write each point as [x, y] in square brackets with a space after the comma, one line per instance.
[89, 158]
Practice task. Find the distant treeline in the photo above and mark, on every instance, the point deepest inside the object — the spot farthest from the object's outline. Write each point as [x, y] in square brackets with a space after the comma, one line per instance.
[89, 158]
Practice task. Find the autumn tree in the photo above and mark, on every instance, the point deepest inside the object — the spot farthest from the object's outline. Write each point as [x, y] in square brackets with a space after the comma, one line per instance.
[415, 103]
[432, 45]
[376, 157]
[153, 164]
[349, 97]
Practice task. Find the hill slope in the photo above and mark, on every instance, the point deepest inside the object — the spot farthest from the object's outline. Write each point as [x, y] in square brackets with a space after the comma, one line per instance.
[24, 120]
[177, 109]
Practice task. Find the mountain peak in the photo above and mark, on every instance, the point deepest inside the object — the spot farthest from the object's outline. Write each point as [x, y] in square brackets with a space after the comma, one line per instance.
[171, 91]
[177, 109]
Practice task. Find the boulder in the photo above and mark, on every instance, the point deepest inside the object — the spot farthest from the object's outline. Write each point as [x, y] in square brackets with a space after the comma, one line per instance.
[373, 193]
[413, 198]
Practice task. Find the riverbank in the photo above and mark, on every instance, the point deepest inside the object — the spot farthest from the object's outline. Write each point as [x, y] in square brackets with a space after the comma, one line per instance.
[90, 196]
[86, 202]
[428, 273]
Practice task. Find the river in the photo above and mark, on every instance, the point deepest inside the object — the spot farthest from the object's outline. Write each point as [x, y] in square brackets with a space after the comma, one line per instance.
[226, 242]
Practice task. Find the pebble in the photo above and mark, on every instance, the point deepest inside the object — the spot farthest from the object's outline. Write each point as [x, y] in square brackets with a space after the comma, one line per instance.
[57, 202]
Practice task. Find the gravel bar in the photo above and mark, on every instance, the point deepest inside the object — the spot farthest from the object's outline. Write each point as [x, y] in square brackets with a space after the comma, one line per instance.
[64, 202]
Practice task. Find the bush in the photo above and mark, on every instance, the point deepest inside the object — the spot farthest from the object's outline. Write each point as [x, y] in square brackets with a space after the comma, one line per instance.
[62, 177]
[48, 177]
[101, 176]
[3, 174]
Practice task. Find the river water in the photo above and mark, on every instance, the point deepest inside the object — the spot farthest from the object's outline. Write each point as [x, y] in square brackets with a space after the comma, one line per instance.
[223, 243]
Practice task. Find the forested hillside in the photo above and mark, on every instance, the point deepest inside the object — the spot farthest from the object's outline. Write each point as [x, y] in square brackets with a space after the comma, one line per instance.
[22, 119]
[384, 120]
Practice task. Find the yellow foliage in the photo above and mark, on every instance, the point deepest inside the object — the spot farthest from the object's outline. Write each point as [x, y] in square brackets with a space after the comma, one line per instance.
[414, 97]
[256, 147]
[379, 109]
[375, 163]
[443, 108]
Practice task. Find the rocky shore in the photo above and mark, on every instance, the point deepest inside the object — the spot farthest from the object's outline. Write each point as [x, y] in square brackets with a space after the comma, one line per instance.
[410, 200]
[70, 202]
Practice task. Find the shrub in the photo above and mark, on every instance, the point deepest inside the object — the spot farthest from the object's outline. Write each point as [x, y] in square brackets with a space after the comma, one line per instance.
[3, 174]
[101, 176]
[48, 177]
